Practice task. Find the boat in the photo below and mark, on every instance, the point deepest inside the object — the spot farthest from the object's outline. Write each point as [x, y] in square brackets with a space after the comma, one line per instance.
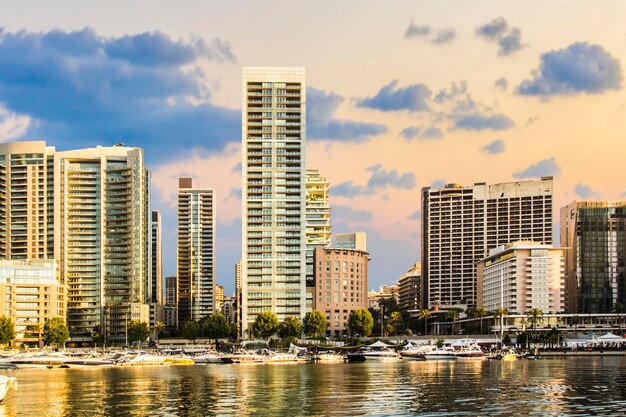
[415, 352]
[140, 359]
[378, 351]
[328, 356]
[209, 357]
[7, 383]
[507, 354]
[41, 360]
[470, 352]
[447, 353]
[243, 356]
[89, 361]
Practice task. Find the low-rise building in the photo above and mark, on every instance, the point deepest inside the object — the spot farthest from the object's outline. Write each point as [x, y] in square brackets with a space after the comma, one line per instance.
[520, 276]
[228, 309]
[32, 295]
[340, 284]
[386, 292]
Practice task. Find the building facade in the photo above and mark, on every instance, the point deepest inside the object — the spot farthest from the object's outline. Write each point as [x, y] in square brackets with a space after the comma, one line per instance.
[195, 260]
[171, 290]
[410, 289]
[341, 285]
[273, 265]
[102, 237]
[318, 227]
[155, 289]
[595, 264]
[461, 223]
[521, 276]
[356, 240]
[32, 295]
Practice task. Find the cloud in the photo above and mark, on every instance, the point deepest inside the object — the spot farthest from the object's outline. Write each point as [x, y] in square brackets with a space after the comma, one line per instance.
[544, 168]
[444, 36]
[438, 183]
[501, 84]
[585, 191]
[508, 40]
[495, 147]
[81, 89]
[235, 193]
[415, 31]
[379, 179]
[12, 125]
[417, 215]
[391, 97]
[421, 133]
[347, 213]
[579, 68]
[481, 121]
[321, 123]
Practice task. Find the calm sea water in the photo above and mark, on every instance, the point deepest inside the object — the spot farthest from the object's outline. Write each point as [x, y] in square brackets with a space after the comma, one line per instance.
[577, 387]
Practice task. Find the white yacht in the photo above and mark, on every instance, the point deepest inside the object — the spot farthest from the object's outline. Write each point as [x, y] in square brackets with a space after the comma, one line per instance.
[6, 383]
[378, 351]
[328, 356]
[416, 352]
[441, 354]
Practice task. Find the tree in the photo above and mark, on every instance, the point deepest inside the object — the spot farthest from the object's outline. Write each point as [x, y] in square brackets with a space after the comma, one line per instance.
[7, 330]
[158, 328]
[360, 322]
[265, 324]
[34, 331]
[315, 323]
[191, 330]
[500, 313]
[138, 331]
[216, 327]
[425, 314]
[534, 315]
[55, 332]
[452, 315]
[97, 335]
[394, 318]
[479, 313]
[290, 327]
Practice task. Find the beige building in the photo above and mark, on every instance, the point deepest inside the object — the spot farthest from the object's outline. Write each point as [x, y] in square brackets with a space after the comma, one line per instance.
[385, 292]
[273, 265]
[195, 257]
[410, 288]
[340, 285]
[356, 240]
[32, 295]
[461, 223]
[102, 237]
[520, 276]
[219, 298]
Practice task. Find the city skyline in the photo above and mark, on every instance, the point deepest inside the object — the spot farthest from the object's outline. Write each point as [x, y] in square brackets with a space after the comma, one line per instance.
[434, 94]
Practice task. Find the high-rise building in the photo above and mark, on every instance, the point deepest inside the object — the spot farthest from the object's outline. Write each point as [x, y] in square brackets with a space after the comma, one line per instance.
[219, 298]
[594, 232]
[410, 288]
[318, 227]
[273, 266]
[195, 262]
[102, 237]
[357, 240]
[520, 276]
[155, 289]
[460, 224]
[26, 200]
[171, 290]
[341, 285]
[237, 305]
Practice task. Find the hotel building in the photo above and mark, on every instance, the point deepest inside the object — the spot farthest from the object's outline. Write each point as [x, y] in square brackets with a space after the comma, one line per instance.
[195, 261]
[520, 276]
[273, 265]
[341, 285]
[595, 264]
[461, 223]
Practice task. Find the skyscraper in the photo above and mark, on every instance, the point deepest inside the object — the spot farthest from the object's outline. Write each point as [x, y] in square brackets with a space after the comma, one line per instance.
[155, 283]
[273, 269]
[594, 235]
[461, 224]
[102, 235]
[195, 261]
[318, 227]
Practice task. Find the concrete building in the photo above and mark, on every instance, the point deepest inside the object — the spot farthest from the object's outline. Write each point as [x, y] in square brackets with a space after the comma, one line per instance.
[595, 264]
[341, 285]
[195, 260]
[102, 237]
[32, 295]
[171, 290]
[155, 289]
[26, 200]
[219, 298]
[385, 292]
[461, 223]
[170, 308]
[228, 309]
[410, 288]
[238, 293]
[521, 276]
[273, 266]
[318, 227]
[357, 240]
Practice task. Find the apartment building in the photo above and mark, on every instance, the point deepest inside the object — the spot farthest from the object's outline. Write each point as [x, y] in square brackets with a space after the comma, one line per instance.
[410, 288]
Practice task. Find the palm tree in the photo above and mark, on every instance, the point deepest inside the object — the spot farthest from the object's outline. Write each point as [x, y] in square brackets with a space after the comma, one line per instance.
[425, 314]
[158, 327]
[452, 315]
[534, 315]
[500, 313]
[394, 318]
[480, 312]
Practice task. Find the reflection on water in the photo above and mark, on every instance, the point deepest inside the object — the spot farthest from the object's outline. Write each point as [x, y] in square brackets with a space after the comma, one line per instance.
[585, 386]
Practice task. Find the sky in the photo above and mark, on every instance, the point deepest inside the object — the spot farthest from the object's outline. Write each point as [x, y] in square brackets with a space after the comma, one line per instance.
[401, 95]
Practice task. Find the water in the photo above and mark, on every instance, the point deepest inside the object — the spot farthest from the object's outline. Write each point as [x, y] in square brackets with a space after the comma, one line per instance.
[549, 387]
